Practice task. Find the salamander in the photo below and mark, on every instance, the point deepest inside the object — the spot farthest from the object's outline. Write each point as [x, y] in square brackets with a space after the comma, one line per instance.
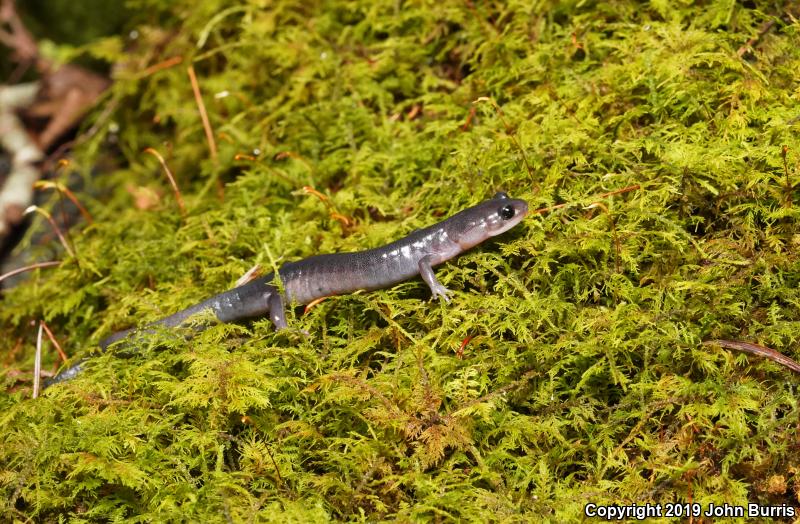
[334, 274]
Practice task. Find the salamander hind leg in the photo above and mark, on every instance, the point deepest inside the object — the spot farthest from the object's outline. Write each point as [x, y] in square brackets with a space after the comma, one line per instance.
[427, 274]
[276, 310]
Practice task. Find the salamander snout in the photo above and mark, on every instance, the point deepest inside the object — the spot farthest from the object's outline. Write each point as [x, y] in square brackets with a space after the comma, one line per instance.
[489, 218]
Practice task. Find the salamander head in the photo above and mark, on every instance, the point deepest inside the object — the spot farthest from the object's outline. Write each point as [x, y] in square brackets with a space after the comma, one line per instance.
[489, 218]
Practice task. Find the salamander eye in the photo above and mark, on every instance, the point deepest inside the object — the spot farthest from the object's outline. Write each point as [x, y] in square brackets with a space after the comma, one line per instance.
[506, 212]
[501, 194]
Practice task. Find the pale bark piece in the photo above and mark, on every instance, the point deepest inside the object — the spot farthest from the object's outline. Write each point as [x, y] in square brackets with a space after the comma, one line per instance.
[16, 193]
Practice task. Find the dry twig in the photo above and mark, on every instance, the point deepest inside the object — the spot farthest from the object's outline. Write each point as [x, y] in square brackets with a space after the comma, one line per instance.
[755, 349]
[172, 182]
[37, 363]
[29, 268]
[201, 107]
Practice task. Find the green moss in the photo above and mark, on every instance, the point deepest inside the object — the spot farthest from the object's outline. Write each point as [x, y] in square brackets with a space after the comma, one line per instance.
[585, 381]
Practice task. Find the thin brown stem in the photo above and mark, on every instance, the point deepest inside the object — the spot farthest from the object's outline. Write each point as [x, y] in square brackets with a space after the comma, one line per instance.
[52, 338]
[178, 196]
[764, 29]
[201, 107]
[37, 265]
[275, 464]
[64, 190]
[166, 64]
[56, 229]
[755, 349]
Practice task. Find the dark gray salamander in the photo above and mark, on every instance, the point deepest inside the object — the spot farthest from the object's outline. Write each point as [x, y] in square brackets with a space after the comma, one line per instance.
[341, 273]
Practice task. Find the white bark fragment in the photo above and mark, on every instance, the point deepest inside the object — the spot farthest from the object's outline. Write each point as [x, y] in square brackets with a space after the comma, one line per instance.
[16, 194]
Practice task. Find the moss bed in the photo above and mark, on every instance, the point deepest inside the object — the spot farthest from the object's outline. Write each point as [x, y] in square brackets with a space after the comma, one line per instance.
[568, 369]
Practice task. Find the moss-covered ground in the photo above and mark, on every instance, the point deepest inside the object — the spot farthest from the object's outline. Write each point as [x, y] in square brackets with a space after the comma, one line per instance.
[569, 367]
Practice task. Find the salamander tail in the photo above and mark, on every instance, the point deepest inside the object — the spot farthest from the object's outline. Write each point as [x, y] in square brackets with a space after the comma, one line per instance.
[68, 374]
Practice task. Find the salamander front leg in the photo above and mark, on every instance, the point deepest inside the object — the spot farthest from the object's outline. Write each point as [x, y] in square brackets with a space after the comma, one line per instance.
[276, 311]
[426, 271]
